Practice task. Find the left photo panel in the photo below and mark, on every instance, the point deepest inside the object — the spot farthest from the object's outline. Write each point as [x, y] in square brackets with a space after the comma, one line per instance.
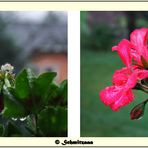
[33, 74]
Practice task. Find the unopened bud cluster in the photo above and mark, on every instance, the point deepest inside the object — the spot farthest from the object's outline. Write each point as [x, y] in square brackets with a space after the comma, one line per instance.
[7, 68]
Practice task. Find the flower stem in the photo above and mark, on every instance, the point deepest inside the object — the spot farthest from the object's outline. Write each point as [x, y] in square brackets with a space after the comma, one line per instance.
[7, 83]
[36, 124]
[144, 88]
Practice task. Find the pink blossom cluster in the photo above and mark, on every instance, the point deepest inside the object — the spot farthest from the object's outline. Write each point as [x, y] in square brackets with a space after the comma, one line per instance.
[134, 55]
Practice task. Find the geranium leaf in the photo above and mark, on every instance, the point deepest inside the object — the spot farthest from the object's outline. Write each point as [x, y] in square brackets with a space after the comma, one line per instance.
[12, 107]
[12, 130]
[43, 82]
[53, 121]
[22, 85]
[1, 130]
[63, 90]
[52, 93]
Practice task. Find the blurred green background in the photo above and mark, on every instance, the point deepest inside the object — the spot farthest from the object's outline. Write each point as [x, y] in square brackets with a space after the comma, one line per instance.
[99, 32]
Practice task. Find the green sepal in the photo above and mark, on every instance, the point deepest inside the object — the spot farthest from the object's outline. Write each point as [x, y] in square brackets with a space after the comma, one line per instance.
[138, 111]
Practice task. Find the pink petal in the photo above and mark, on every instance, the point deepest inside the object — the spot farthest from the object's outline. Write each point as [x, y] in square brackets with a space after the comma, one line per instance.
[126, 98]
[139, 37]
[123, 77]
[116, 97]
[110, 94]
[142, 74]
[136, 56]
[120, 77]
[138, 40]
[132, 80]
[124, 51]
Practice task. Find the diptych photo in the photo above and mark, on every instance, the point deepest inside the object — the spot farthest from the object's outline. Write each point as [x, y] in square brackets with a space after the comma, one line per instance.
[34, 74]
[114, 84]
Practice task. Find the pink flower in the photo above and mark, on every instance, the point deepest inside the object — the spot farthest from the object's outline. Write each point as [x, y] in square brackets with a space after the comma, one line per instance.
[120, 94]
[125, 79]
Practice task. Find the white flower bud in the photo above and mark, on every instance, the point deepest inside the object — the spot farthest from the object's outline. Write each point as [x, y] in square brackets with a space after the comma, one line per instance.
[7, 68]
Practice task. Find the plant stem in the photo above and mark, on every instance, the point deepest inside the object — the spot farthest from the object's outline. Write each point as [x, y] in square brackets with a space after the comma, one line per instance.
[36, 126]
[142, 87]
[143, 90]
[7, 83]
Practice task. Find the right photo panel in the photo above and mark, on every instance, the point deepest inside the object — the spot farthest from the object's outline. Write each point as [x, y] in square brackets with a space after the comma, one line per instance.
[114, 73]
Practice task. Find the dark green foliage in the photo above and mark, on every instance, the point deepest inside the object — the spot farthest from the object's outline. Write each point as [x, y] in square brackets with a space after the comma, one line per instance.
[22, 85]
[1, 130]
[101, 38]
[12, 107]
[38, 100]
[53, 121]
[96, 37]
[100, 33]
[42, 85]
[12, 130]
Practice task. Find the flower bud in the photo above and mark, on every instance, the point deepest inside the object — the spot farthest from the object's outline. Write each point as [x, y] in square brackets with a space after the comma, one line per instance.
[7, 68]
[138, 111]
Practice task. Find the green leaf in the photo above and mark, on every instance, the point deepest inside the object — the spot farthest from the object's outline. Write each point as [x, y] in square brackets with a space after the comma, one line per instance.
[53, 121]
[38, 91]
[31, 124]
[1, 85]
[1, 102]
[58, 95]
[42, 86]
[1, 130]
[63, 90]
[31, 78]
[43, 82]
[22, 85]
[53, 92]
[11, 130]
[12, 107]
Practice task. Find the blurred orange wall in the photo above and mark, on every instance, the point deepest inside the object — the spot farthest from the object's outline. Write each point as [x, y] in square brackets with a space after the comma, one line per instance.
[52, 62]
